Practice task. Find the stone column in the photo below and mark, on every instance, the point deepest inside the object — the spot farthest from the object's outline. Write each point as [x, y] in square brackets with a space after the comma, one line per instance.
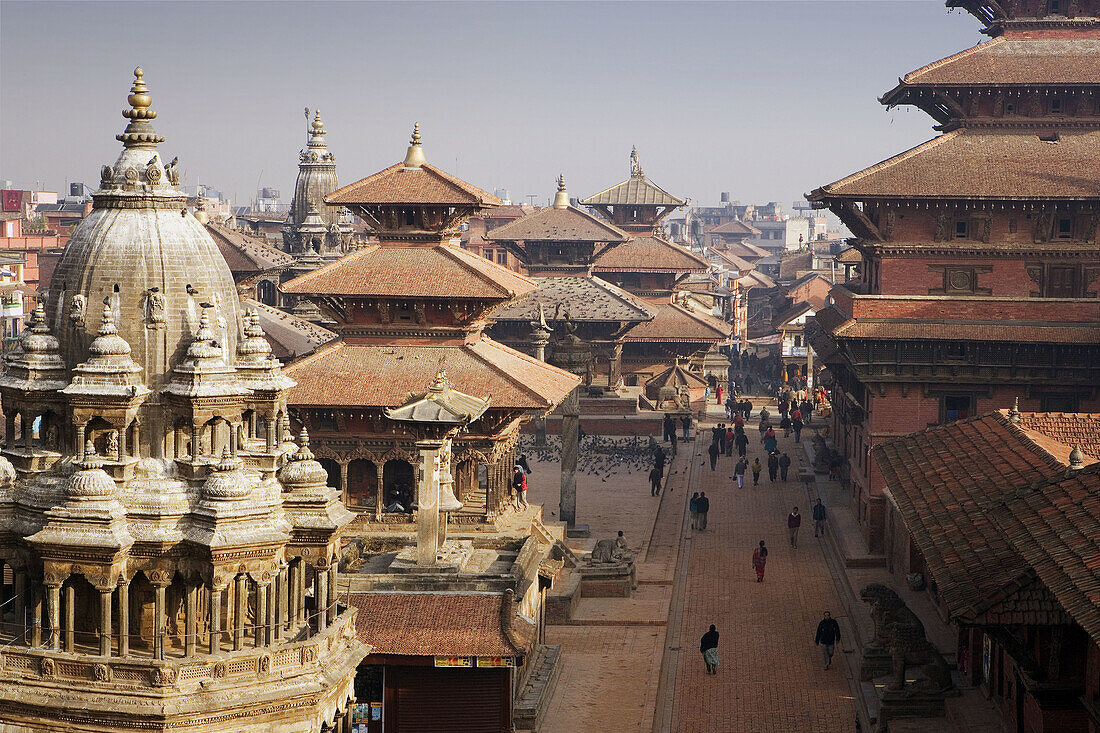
[36, 614]
[70, 617]
[292, 599]
[159, 619]
[79, 448]
[123, 449]
[301, 591]
[9, 429]
[570, 430]
[233, 440]
[272, 611]
[215, 635]
[196, 443]
[28, 431]
[283, 596]
[53, 608]
[135, 444]
[178, 436]
[20, 589]
[344, 481]
[105, 621]
[259, 624]
[124, 618]
[333, 608]
[240, 591]
[190, 623]
[427, 498]
[270, 425]
[320, 595]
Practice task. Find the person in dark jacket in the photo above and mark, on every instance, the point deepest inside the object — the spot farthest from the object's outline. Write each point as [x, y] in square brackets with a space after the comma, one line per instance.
[713, 450]
[742, 442]
[828, 634]
[670, 429]
[708, 646]
[819, 518]
[702, 505]
[773, 466]
[654, 482]
[685, 423]
[784, 466]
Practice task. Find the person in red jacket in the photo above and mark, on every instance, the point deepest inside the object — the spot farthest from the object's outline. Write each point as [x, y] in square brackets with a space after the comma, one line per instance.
[794, 521]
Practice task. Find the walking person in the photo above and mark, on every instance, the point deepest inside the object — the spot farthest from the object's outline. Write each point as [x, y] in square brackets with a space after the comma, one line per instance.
[713, 451]
[739, 472]
[819, 518]
[519, 485]
[693, 507]
[685, 423]
[756, 469]
[742, 442]
[659, 459]
[703, 505]
[828, 634]
[729, 441]
[784, 466]
[773, 466]
[759, 560]
[796, 426]
[670, 429]
[794, 521]
[769, 440]
[655, 482]
[708, 645]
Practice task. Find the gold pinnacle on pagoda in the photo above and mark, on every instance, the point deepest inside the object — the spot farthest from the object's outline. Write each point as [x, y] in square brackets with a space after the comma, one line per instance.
[561, 198]
[415, 157]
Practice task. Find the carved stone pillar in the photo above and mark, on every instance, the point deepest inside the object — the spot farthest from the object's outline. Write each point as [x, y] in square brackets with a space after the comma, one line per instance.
[159, 618]
[570, 433]
[69, 623]
[269, 423]
[105, 621]
[259, 623]
[53, 609]
[196, 443]
[300, 608]
[9, 429]
[320, 595]
[233, 440]
[123, 449]
[215, 633]
[124, 618]
[332, 575]
[240, 591]
[344, 481]
[190, 623]
[135, 444]
[20, 590]
[36, 614]
[272, 611]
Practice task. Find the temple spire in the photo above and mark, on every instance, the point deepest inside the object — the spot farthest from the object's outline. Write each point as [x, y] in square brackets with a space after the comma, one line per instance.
[139, 133]
[561, 198]
[635, 167]
[414, 158]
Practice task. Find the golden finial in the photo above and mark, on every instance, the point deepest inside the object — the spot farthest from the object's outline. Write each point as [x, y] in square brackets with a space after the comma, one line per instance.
[414, 158]
[635, 167]
[561, 198]
[318, 124]
[139, 132]
[139, 93]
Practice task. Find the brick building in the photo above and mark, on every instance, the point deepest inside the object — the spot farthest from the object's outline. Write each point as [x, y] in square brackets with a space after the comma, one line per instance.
[978, 275]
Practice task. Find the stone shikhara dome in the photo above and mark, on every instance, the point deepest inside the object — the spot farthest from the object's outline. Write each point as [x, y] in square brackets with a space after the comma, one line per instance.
[144, 255]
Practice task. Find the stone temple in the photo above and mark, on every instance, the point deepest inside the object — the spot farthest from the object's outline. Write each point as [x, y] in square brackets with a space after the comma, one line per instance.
[169, 550]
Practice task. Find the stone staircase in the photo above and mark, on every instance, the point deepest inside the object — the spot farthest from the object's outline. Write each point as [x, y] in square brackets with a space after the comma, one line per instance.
[534, 698]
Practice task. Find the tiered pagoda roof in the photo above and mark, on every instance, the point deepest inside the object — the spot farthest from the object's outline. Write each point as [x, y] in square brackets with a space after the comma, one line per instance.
[585, 298]
[674, 323]
[650, 254]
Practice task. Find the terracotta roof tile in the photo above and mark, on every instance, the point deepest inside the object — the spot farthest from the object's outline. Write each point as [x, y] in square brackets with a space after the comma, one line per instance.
[585, 298]
[1027, 61]
[748, 250]
[636, 190]
[650, 254]
[399, 185]
[835, 322]
[558, 225]
[290, 337]
[432, 624]
[977, 163]
[675, 376]
[940, 479]
[245, 254]
[1055, 526]
[360, 375]
[755, 279]
[851, 256]
[673, 323]
[442, 271]
[728, 258]
[734, 227]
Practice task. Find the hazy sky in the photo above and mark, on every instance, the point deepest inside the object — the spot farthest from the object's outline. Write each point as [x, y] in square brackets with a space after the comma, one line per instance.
[764, 99]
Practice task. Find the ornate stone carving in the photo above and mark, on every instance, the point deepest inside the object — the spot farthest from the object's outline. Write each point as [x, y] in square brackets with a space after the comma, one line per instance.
[78, 307]
[152, 171]
[265, 664]
[105, 175]
[163, 677]
[46, 667]
[219, 670]
[101, 673]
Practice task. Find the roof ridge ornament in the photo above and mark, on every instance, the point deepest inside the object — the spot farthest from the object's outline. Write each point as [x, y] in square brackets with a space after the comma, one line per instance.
[1014, 413]
[414, 158]
[635, 167]
[1076, 458]
[561, 198]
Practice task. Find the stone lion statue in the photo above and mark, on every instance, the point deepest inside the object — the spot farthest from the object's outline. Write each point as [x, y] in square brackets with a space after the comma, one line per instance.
[901, 634]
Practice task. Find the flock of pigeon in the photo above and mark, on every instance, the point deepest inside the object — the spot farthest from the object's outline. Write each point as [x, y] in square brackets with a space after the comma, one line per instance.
[604, 457]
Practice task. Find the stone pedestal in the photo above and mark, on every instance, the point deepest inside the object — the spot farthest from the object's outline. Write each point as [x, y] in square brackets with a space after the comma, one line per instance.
[607, 580]
[874, 662]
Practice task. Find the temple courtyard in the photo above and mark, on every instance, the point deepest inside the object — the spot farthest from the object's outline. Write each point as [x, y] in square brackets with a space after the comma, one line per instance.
[633, 664]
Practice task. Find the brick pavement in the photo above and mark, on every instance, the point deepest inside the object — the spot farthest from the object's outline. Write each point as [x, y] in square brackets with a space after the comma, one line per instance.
[771, 677]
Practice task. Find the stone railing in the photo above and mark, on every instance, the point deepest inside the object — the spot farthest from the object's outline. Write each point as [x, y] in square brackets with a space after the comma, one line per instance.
[276, 661]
